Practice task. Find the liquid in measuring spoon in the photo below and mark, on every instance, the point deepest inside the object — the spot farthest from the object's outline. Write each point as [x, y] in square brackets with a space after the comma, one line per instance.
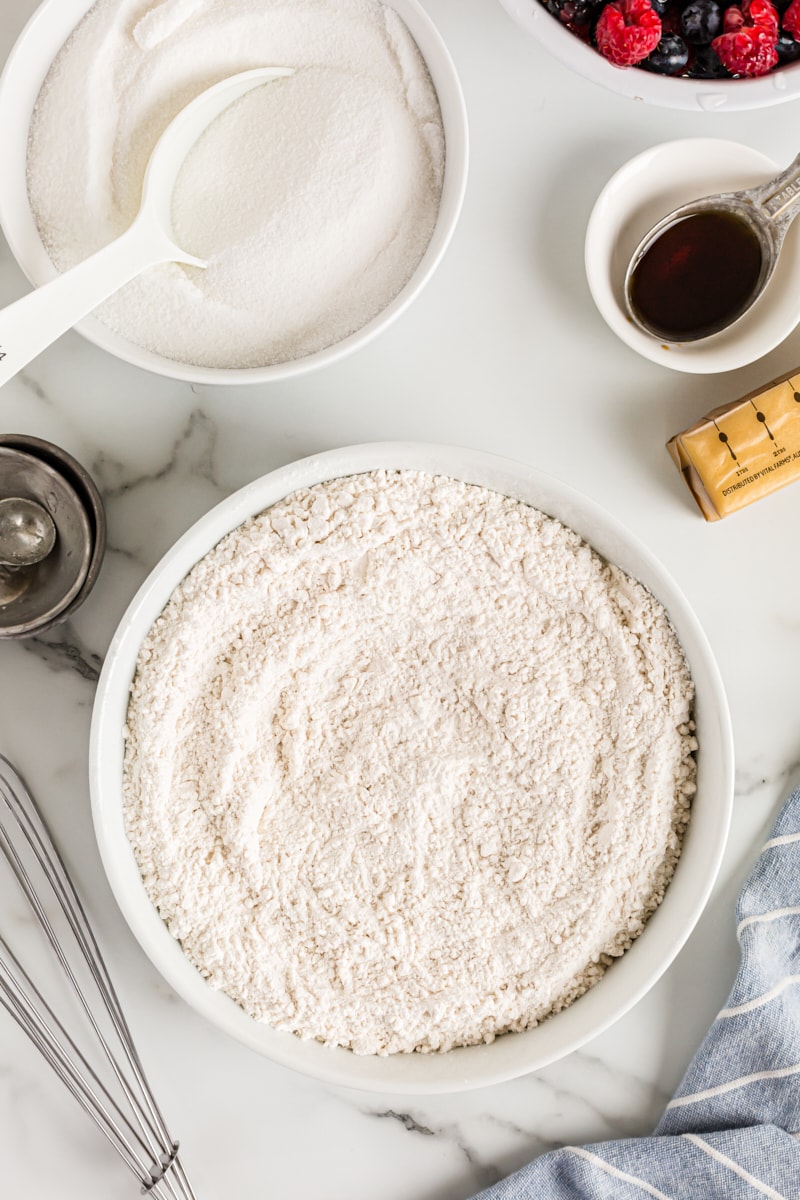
[696, 276]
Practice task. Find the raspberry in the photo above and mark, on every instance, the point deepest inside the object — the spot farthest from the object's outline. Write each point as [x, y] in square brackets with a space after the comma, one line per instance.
[757, 14]
[791, 20]
[747, 47]
[751, 51]
[734, 20]
[627, 31]
[763, 14]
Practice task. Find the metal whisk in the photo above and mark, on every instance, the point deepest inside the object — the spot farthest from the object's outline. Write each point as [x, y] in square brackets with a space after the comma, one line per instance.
[94, 1055]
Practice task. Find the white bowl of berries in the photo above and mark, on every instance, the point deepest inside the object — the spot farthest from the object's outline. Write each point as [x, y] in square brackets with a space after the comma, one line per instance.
[695, 54]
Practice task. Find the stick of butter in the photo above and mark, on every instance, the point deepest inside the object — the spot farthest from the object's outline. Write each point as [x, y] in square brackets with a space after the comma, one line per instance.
[742, 451]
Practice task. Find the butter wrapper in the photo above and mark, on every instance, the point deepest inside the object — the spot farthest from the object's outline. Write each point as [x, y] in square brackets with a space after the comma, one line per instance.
[744, 450]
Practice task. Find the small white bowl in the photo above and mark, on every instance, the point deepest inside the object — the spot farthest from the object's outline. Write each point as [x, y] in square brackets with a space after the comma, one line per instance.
[20, 83]
[700, 95]
[630, 976]
[647, 188]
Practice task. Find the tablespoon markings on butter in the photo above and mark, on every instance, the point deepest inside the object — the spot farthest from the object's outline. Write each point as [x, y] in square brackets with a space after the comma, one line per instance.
[748, 224]
[33, 323]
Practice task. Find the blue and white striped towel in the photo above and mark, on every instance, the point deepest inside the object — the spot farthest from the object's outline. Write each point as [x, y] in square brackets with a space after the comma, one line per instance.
[731, 1132]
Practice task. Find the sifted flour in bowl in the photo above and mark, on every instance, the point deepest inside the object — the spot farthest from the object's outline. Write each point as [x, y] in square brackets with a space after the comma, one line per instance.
[313, 199]
[407, 763]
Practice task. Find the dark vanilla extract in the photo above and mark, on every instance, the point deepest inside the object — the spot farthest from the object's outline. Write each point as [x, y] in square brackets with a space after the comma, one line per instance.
[696, 276]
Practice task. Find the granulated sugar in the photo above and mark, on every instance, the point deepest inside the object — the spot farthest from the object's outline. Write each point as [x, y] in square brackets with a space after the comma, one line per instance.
[407, 764]
[313, 198]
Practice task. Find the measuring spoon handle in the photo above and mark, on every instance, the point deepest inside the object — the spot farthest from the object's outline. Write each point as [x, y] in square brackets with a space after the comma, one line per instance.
[779, 199]
[33, 323]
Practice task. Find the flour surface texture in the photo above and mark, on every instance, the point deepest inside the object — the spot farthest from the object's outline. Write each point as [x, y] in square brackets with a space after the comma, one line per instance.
[407, 763]
[313, 198]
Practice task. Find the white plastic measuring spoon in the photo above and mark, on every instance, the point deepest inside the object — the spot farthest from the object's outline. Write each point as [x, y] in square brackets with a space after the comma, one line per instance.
[33, 323]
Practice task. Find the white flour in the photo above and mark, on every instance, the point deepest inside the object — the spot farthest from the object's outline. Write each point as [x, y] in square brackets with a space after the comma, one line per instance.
[313, 198]
[407, 763]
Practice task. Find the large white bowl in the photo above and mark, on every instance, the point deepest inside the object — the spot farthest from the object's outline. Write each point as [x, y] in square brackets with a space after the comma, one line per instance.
[630, 976]
[705, 95]
[20, 83]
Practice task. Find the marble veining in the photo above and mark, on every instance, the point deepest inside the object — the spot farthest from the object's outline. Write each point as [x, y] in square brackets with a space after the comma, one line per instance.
[407, 1121]
[32, 386]
[503, 351]
[192, 453]
[62, 650]
[483, 1172]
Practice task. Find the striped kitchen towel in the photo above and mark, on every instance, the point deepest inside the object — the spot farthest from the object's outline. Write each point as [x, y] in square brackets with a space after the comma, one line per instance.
[731, 1131]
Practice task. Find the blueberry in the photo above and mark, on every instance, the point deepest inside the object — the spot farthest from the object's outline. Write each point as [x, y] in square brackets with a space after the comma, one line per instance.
[669, 57]
[701, 21]
[571, 12]
[788, 49]
[706, 65]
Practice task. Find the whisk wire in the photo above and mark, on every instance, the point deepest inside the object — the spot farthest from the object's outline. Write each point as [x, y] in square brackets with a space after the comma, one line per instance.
[24, 881]
[14, 981]
[56, 875]
[55, 1056]
[134, 1126]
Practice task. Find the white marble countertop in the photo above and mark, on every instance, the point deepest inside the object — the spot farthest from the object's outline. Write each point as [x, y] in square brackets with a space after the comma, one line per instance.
[503, 351]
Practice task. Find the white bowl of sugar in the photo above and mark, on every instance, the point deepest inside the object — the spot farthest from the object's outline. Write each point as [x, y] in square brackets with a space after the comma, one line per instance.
[323, 207]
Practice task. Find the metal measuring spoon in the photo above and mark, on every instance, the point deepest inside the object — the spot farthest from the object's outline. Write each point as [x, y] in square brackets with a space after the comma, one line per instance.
[766, 211]
[31, 324]
[27, 532]
[34, 595]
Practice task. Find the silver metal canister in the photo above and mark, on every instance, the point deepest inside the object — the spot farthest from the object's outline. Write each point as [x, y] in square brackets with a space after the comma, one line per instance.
[43, 489]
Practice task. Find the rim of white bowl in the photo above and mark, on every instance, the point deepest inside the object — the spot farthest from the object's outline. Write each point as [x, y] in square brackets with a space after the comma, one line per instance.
[700, 95]
[20, 83]
[627, 979]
